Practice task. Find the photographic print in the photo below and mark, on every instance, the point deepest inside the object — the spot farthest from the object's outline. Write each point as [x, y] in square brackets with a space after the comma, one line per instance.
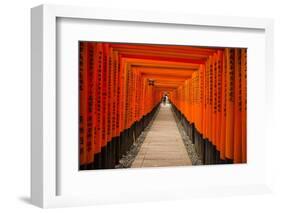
[150, 105]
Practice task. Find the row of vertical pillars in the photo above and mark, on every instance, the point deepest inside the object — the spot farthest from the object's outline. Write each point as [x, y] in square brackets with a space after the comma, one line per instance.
[110, 154]
[206, 151]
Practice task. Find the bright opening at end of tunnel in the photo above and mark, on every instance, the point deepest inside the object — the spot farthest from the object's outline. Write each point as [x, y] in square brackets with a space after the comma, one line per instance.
[148, 105]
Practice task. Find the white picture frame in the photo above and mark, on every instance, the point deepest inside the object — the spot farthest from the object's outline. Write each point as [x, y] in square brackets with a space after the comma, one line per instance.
[45, 151]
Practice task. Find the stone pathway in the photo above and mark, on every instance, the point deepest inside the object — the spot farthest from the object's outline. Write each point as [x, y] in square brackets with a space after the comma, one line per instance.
[163, 145]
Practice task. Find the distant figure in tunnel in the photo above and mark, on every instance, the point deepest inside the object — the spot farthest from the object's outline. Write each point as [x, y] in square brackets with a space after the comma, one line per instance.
[165, 99]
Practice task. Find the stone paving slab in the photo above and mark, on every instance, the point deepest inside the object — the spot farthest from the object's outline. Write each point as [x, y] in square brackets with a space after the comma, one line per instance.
[163, 145]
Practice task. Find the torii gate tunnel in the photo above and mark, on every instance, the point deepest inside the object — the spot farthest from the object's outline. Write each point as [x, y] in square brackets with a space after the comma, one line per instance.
[121, 87]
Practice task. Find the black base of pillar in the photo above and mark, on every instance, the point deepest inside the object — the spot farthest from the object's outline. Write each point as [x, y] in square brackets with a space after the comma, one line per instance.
[104, 157]
[97, 161]
[117, 150]
[83, 167]
[122, 143]
[113, 147]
